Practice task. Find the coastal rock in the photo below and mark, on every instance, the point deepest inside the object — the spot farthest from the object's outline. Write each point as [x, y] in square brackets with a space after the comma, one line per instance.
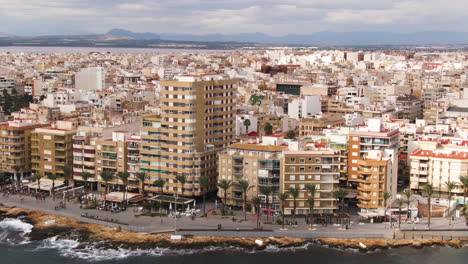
[46, 226]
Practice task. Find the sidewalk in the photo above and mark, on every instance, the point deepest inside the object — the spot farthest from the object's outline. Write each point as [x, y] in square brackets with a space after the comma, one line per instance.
[155, 224]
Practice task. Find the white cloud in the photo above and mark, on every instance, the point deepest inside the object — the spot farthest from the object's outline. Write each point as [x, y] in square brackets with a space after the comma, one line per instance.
[277, 17]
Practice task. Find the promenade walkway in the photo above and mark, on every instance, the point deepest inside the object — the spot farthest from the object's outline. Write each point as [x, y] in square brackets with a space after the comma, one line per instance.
[162, 224]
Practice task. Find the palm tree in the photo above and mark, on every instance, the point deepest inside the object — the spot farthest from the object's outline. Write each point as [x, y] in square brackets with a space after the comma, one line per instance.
[450, 186]
[408, 193]
[247, 124]
[182, 179]
[464, 181]
[386, 196]
[123, 177]
[142, 177]
[106, 176]
[38, 178]
[159, 183]
[428, 189]
[225, 185]
[244, 186]
[67, 174]
[266, 190]
[18, 176]
[340, 195]
[283, 197]
[53, 177]
[400, 202]
[312, 189]
[256, 201]
[294, 193]
[85, 176]
[204, 184]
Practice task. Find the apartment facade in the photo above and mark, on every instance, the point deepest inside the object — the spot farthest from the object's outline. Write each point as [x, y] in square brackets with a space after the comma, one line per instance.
[259, 165]
[197, 121]
[373, 180]
[438, 161]
[373, 143]
[52, 147]
[15, 146]
[318, 167]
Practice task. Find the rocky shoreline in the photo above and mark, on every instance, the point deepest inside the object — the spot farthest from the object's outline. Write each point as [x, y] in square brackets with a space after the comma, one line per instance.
[47, 226]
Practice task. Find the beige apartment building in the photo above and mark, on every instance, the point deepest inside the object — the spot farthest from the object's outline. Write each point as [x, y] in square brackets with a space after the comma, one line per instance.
[260, 165]
[368, 144]
[197, 121]
[373, 179]
[111, 155]
[52, 147]
[15, 146]
[315, 126]
[438, 161]
[319, 167]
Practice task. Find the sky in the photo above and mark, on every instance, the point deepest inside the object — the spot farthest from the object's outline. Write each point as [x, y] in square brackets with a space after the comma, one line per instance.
[273, 17]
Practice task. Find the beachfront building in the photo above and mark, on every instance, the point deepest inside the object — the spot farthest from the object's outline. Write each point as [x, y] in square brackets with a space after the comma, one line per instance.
[84, 155]
[15, 147]
[197, 121]
[437, 161]
[257, 164]
[52, 147]
[111, 155]
[362, 157]
[373, 173]
[320, 167]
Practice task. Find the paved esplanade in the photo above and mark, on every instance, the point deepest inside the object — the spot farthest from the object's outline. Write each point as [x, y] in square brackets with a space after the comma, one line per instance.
[150, 224]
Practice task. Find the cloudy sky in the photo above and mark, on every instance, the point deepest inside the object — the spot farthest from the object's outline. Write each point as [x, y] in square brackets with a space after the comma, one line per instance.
[274, 17]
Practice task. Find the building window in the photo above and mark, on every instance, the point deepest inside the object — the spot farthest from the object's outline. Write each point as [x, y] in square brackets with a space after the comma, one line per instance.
[302, 160]
[302, 177]
[302, 169]
[293, 160]
[292, 177]
[317, 160]
[292, 168]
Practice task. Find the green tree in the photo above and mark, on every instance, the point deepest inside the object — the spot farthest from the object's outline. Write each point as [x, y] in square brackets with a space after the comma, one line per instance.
[123, 177]
[291, 134]
[450, 186]
[225, 185]
[86, 176]
[399, 202]
[53, 177]
[245, 187]
[159, 183]
[283, 197]
[386, 196]
[407, 193]
[428, 189]
[142, 177]
[256, 201]
[67, 174]
[204, 185]
[38, 178]
[266, 190]
[311, 189]
[464, 182]
[106, 176]
[268, 129]
[294, 193]
[340, 195]
[182, 179]
[247, 124]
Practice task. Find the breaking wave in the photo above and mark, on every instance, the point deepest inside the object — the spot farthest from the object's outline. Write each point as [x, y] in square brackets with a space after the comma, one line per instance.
[14, 231]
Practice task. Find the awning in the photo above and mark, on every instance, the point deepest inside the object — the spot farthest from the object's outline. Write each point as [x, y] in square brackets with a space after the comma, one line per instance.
[45, 184]
[171, 199]
[118, 197]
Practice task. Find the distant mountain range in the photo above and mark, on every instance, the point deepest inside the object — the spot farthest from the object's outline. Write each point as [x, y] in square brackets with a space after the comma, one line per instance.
[319, 38]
